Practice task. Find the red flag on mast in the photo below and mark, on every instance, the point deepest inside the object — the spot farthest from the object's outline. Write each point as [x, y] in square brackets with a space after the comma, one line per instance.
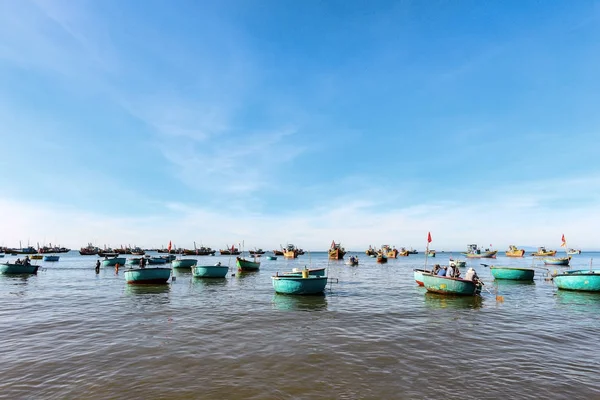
[428, 237]
[564, 241]
[169, 248]
[333, 244]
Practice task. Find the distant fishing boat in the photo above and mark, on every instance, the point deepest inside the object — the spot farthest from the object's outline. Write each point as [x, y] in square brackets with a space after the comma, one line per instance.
[246, 266]
[314, 271]
[51, 258]
[474, 251]
[431, 253]
[18, 269]
[371, 251]
[390, 252]
[451, 286]
[578, 280]
[111, 262]
[184, 263]
[157, 260]
[457, 263]
[154, 275]
[573, 251]
[542, 252]
[230, 251]
[300, 285]
[210, 271]
[336, 251]
[256, 251]
[290, 251]
[511, 273]
[557, 261]
[352, 261]
[271, 258]
[404, 252]
[381, 258]
[89, 250]
[36, 256]
[513, 251]
[278, 252]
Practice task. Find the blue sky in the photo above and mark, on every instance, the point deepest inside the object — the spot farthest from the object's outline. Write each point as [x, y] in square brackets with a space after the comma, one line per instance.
[283, 121]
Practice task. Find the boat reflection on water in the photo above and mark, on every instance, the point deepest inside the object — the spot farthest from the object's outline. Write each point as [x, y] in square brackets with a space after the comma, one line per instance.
[578, 299]
[182, 272]
[285, 302]
[155, 294]
[209, 282]
[435, 300]
[508, 282]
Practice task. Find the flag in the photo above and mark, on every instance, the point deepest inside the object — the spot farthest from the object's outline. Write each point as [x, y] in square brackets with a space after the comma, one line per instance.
[169, 248]
[428, 237]
[564, 241]
[333, 244]
[232, 248]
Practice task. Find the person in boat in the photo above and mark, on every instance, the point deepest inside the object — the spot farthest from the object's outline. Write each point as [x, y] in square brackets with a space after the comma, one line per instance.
[218, 264]
[456, 272]
[26, 261]
[441, 270]
[436, 269]
[18, 261]
[471, 275]
[450, 271]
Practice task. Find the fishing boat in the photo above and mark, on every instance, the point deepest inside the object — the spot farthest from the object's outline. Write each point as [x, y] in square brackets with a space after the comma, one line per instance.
[278, 252]
[271, 258]
[451, 286]
[336, 251]
[404, 252]
[37, 256]
[137, 251]
[247, 266]
[473, 251]
[23, 250]
[458, 263]
[511, 273]
[579, 280]
[542, 252]
[111, 262]
[557, 261]
[210, 271]
[108, 253]
[418, 274]
[371, 251]
[303, 285]
[18, 269]
[184, 263]
[573, 251]
[256, 251]
[133, 261]
[51, 258]
[412, 251]
[431, 253]
[290, 251]
[390, 252]
[352, 261]
[381, 258]
[230, 251]
[155, 275]
[513, 251]
[89, 250]
[157, 260]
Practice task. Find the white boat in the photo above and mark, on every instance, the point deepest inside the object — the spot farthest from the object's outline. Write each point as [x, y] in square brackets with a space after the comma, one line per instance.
[573, 251]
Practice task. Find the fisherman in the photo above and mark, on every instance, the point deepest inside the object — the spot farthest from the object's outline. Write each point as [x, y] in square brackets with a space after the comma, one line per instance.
[436, 269]
[18, 261]
[97, 266]
[471, 275]
[441, 270]
[218, 264]
[450, 271]
[117, 269]
[26, 261]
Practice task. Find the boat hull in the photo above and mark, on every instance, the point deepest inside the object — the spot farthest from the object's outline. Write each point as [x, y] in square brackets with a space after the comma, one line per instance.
[557, 261]
[157, 261]
[147, 275]
[299, 285]
[515, 253]
[187, 263]
[111, 262]
[210, 271]
[336, 254]
[271, 258]
[483, 254]
[18, 269]
[580, 280]
[51, 258]
[381, 260]
[245, 265]
[450, 286]
[514, 274]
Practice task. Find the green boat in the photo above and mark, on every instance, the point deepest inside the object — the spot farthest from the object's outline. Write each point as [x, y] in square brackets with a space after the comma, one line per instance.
[210, 271]
[133, 261]
[271, 258]
[16, 269]
[510, 273]
[147, 275]
[187, 263]
[111, 262]
[580, 280]
[450, 286]
[299, 285]
[247, 266]
[314, 272]
[418, 274]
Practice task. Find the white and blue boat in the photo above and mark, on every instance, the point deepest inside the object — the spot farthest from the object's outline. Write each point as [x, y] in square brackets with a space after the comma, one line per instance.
[51, 258]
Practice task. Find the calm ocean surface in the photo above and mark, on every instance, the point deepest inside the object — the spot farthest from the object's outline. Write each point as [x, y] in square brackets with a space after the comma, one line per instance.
[68, 333]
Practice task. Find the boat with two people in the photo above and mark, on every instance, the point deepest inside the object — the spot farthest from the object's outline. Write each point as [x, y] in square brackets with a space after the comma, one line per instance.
[353, 260]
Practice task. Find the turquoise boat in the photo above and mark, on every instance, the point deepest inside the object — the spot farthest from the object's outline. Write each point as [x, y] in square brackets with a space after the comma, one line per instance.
[580, 280]
[147, 275]
[313, 272]
[418, 273]
[134, 261]
[451, 286]
[299, 285]
[17, 269]
[557, 261]
[514, 274]
[271, 258]
[111, 262]
[210, 271]
[157, 260]
[247, 266]
[187, 263]
[51, 258]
